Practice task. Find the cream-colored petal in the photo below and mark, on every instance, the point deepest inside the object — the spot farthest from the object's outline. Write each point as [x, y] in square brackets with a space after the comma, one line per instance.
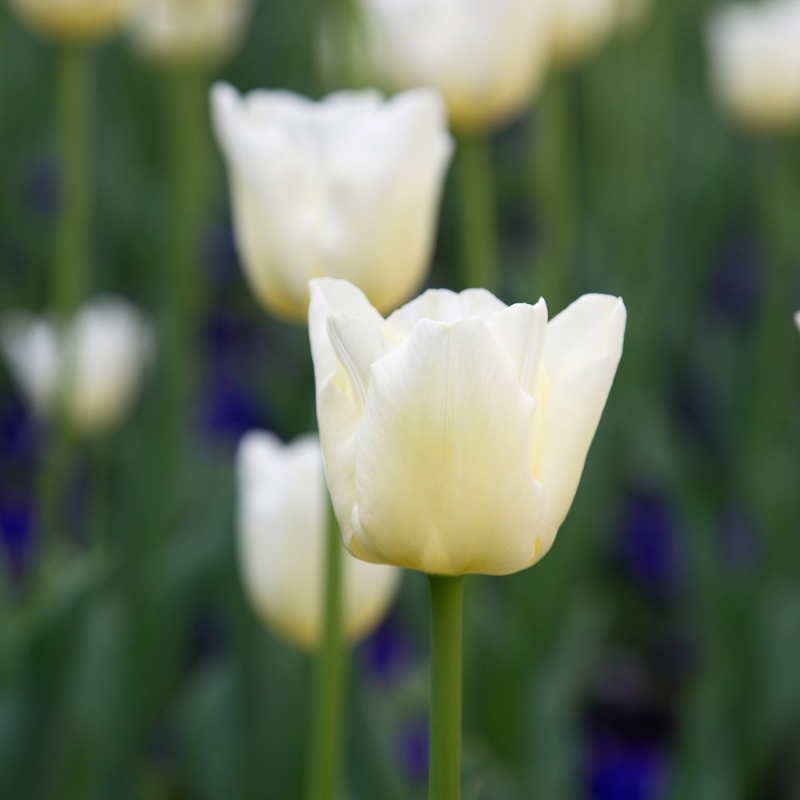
[283, 528]
[442, 456]
[583, 349]
[32, 352]
[590, 328]
[521, 331]
[442, 305]
[282, 516]
[337, 408]
[358, 346]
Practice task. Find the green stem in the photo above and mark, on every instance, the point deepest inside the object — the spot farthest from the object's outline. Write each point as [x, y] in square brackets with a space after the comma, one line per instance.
[73, 112]
[447, 600]
[554, 189]
[326, 738]
[74, 123]
[477, 208]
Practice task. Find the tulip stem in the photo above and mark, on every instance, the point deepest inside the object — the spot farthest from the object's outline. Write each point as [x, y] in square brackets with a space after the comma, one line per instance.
[477, 205]
[447, 601]
[326, 734]
[73, 124]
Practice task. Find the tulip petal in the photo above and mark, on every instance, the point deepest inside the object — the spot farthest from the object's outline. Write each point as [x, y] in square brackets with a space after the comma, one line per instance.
[583, 349]
[443, 305]
[521, 331]
[282, 510]
[337, 410]
[442, 471]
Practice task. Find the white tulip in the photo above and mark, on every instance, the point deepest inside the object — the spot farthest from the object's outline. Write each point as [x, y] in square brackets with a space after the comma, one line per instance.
[797, 320]
[581, 26]
[94, 365]
[754, 52]
[348, 187]
[74, 20]
[486, 57]
[193, 33]
[455, 431]
[283, 527]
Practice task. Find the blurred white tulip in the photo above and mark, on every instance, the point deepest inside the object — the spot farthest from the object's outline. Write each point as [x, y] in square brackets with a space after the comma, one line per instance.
[797, 320]
[190, 33]
[74, 20]
[580, 27]
[486, 57]
[754, 53]
[94, 364]
[283, 528]
[455, 431]
[348, 187]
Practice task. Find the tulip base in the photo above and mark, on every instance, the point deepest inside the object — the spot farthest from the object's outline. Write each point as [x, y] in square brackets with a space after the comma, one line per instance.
[447, 602]
[326, 734]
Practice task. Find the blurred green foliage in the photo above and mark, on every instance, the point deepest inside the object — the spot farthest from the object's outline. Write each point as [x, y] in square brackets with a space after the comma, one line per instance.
[654, 653]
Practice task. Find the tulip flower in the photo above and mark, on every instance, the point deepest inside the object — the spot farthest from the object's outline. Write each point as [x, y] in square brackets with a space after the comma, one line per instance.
[189, 33]
[754, 52]
[347, 187]
[454, 434]
[797, 319]
[581, 26]
[487, 58]
[74, 20]
[283, 524]
[93, 365]
[455, 431]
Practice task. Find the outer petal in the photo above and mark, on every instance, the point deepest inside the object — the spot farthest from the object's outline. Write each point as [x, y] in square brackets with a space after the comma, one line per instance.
[33, 354]
[283, 519]
[281, 525]
[584, 345]
[521, 331]
[384, 179]
[442, 456]
[110, 344]
[338, 411]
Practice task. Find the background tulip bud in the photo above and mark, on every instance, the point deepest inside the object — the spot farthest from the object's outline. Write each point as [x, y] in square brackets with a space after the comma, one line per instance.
[97, 360]
[455, 431]
[189, 33]
[754, 52]
[348, 187]
[74, 20]
[581, 26]
[487, 58]
[283, 524]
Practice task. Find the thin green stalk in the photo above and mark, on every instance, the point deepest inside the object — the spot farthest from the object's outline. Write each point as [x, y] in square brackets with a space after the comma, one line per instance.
[74, 124]
[73, 112]
[555, 193]
[326, 736]
[477, 208]
[447, 601]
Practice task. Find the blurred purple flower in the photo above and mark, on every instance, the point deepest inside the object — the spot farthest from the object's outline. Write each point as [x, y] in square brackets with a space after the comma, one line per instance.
[624, 771]
[736, 286]
[648, 545]
[388, 652]
[16, 533]
[413, 750]
[228, 411]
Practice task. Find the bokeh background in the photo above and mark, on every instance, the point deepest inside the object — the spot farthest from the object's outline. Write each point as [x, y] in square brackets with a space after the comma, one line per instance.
[654, 653]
